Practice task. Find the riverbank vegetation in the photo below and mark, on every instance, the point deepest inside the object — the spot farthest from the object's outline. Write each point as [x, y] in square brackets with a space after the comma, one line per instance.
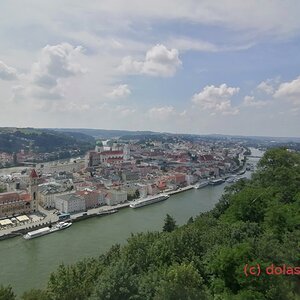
[256, 222]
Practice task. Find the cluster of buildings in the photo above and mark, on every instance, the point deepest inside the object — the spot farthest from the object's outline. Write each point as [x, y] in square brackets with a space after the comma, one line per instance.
[17, 201]
[110, 175]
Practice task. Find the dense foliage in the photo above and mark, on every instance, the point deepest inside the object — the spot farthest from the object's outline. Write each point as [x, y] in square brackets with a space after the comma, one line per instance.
[256, 222]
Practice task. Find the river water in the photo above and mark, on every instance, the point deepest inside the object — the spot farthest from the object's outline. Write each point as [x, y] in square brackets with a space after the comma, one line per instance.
[27, 264]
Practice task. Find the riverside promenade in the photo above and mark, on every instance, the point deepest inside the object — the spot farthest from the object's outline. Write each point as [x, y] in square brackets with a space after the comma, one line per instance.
[51, 217]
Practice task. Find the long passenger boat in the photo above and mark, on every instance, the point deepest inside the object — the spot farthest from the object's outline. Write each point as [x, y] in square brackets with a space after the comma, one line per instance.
[148, 200]
[46, 230]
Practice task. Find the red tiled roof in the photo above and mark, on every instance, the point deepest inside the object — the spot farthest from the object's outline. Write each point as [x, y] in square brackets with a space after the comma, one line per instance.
[112, 152]
[9, 196]
[33, 174]
[25, 197]
[114, 159]
[12, 196]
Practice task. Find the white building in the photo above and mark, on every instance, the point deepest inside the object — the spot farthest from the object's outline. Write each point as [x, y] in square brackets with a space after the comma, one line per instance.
[70, 203]
[116, 197]
[190, 179]
[47, 192]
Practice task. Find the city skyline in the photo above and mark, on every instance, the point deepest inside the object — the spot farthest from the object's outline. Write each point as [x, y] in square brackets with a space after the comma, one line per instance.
[226, 68]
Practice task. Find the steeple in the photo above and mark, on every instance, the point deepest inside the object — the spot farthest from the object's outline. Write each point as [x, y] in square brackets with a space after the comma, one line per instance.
[33, 188]
[33, 174]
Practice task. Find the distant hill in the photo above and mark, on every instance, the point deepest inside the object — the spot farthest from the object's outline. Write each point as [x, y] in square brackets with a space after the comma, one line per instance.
[105, 133]
[42, 140]
[126, 134]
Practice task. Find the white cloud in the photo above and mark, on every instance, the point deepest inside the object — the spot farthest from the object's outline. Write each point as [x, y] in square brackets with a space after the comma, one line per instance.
[55, 63]
[269, 86]
[289, 91]
[162, 112]
[189, 44]
[185, 43]
[250, 101]
[260, 16]
[295, 111]
[266, 88]
[68, 107]
[7, 73]
[120, 91]
[217, 99]
[159, 61]
[124, 111]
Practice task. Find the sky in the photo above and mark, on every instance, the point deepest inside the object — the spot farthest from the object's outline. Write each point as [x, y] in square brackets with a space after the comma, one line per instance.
[192, 66]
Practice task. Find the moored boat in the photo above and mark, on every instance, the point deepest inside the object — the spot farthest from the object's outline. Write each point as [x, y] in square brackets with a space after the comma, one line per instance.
[107, 212]
[46, 230]
[202, 184]
[148, 200]
[216, 181]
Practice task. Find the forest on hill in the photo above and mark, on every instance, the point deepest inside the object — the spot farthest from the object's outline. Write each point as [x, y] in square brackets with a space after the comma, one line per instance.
[255, 224]
[42, 140]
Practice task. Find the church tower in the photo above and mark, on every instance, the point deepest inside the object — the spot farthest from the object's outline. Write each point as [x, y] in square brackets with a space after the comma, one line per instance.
[126, 152]
[33, 189]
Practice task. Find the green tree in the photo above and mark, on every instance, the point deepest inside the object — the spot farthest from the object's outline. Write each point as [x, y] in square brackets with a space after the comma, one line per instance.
[170, 224]
[137, 193]
[74, 282]
[118, 282]
[181, 282]
[190, 220]
[6, 293]
[35, 294]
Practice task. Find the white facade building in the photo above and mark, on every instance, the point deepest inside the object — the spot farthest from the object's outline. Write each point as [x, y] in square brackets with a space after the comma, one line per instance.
[69, 203]
[116, 197]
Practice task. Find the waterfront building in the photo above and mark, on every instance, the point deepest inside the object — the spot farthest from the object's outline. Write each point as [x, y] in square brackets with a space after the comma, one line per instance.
[70, 203]
[48, 192]
[180, 178]
[190, 179]
[116, 197]
[92, 198]
[152, 189]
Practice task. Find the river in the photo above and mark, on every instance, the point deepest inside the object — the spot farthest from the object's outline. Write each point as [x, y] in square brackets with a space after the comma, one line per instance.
[27, 264]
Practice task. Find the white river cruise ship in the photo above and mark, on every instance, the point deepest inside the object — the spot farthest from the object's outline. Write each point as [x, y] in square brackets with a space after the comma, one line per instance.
[149, 200]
